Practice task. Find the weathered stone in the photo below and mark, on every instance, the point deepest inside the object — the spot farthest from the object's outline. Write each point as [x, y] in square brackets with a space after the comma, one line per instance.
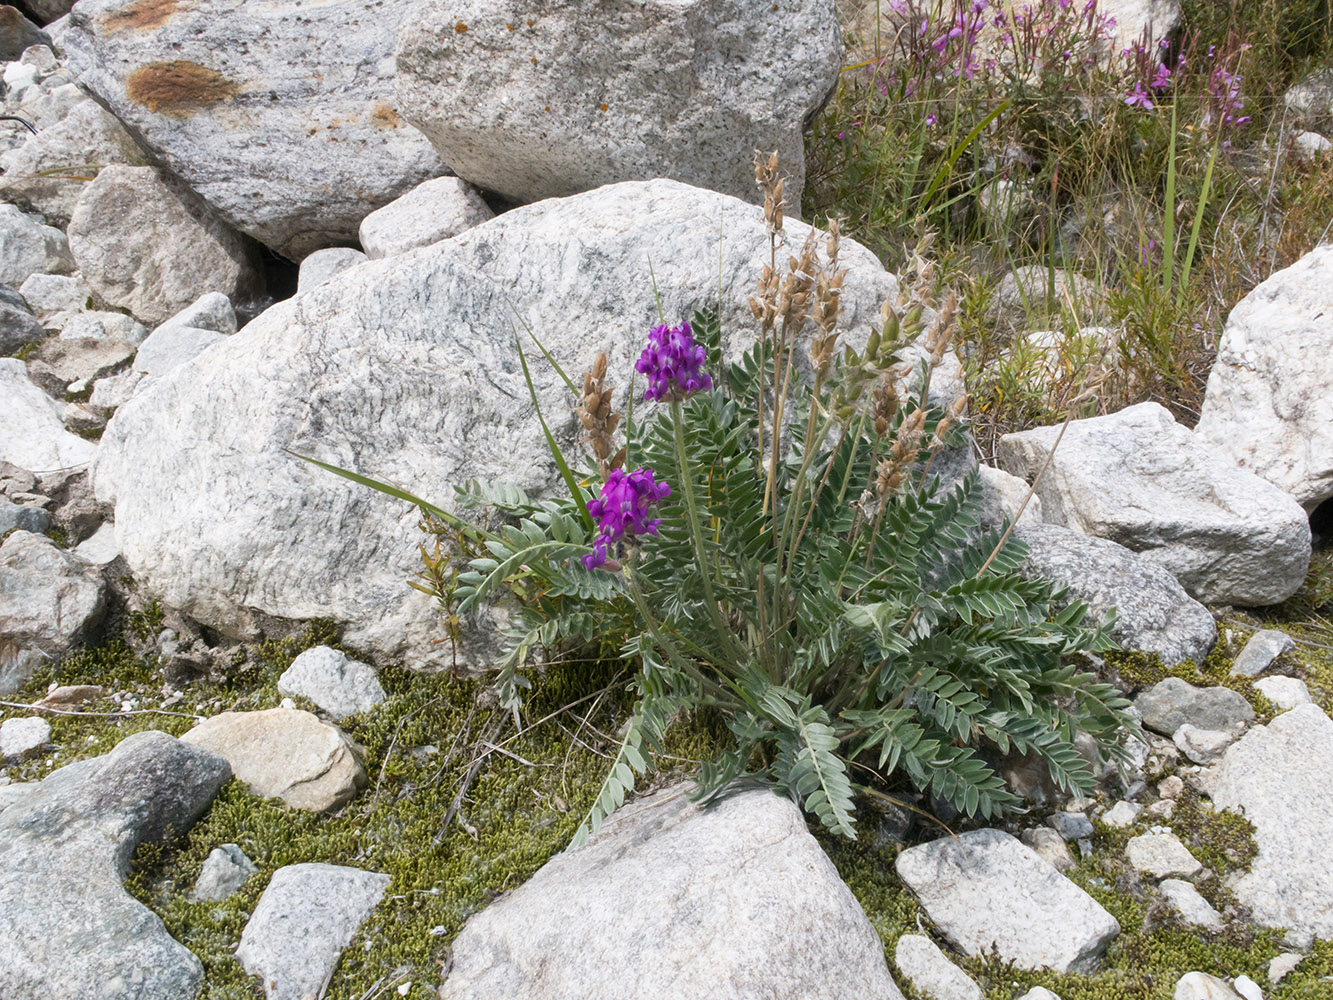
[324, 265]
[430, 212]
[281, 116]
[1284, 692]
[686, 89]
[1203, 746]
[68, 930]
[1201, 986]
[1310, 145]
[211, 311]
[1122, 815]
[987, 892]
[28, 247]
[147, 243]
[54, 298]
[1138, 478]
[243, 524]
[305, 918]
[731, 902]
[225, 870]
[285, 754]
[17, 33]
[24, 518]
[926, 967]
[1001, 497]
[1282, 966]
[1264, 647]
[336, 683]
[1050, 847]
[49, 601]
[49, 171]
[1153, 612]
[18, 326]
[21, 736]
[72, 696]
[58, 364]
[169, 347]
[1161, 854]
[104, 326]
[112, 392]
[1192, 907]
[1281, 777]
[1169, 704]
[98, 549]
[1070, 825]
[1267, 406]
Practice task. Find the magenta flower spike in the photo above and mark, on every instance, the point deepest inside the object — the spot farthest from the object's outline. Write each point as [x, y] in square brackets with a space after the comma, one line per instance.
[621, 511]
[673, 363]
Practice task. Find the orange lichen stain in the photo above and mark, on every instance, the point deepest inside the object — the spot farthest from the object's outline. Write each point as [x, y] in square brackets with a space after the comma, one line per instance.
[461, 28]
[178, 88]
[386, 117]
[140, 15]
[510, 27]
[601, 107]
[534, 60]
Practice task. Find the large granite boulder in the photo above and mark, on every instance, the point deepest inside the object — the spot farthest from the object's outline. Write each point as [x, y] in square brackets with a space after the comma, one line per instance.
[538, 102]
[405, 369]
[732, 902]
[1143, 481]
[1268, 406]
[280, 114]
[68, 929]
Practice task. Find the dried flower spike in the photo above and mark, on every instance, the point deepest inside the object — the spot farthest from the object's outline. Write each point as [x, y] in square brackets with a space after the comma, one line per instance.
[598, 419]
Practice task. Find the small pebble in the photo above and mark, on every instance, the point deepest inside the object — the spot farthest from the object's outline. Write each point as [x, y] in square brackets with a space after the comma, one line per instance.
[1282, 966]
[1247, 988]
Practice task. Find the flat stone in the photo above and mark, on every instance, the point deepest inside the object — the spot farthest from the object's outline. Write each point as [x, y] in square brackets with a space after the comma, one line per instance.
[1201, 986]
[225, 870]
[1280, 776]
[432, 211]
[732, 902]
[170, 347]
[1284, 692]
[1122, 815]
[1161, 855]
[211, 311]
[1138, 478]
[68, 929]
[1171, 703]
[21, 736]
[1192, 907]
[1203, 746]
[339, 685]
[926, 967]
[285, 754]
[72, 695]
[985, 891]
[1260, 651]
[324, 265]
[1282, 966]
[104, 326]
[17, 33]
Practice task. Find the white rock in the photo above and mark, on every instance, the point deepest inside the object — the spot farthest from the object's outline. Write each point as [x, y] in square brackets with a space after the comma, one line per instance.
[1267, 405]
[1122, 815]
[430, 212]
[1247, 988]
[1002, 495]
[1282, 966]
[732, 902]
[324, 265]
[1192, 907]
[1312, 98]
[147, 243]
[1161, 854]
[95, 325]
[54, 298]
[246, 525]
[1284, 692]
[281, 115]
[1203, 746]
[112, 391]
[32, 433]
[686, 89]
[225, 870]
[1280, 776]
[1201, 986]
[100, 548]
[985, 891]
[1263, 648]
[28, 247]
[305, 918]
[1039, 993]
[339, 685]
[169, 347]
[211, 311]
[920, 960]
[1310, 144]
[1138, 478]
[20, 737]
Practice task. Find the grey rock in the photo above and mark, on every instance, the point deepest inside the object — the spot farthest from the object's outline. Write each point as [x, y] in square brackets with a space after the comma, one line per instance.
[147, 243]
[1280, 776]
[1138, 478]
[1070, 825]
[1201, 986]
[68, 930]
[54, 298]
[1001, 497]
[926, 967]
[28, 247]
[21, 736]
[17, 33]
[285, 754]
[324, 265]
[1192, 907]
[18, 326]
[104, 326]
[49, 601]
[306, 917]
[1267, 406]
[1153, 612]
[1284, 692]
[1264, 647]
[583, 93]
[1203, 746]
[49, 172]
[51, 13]
[280, 116]
[211, 311]
[985, 891]
[225, 870]
[339, 685]
[23, 518]
[12, 794]
[1160, 853]
[1171, 703]
[1122, 815]
[168, 347]
[1050, 847]
[113, 391]
[312, 375]
[731, 902]
[432, 211]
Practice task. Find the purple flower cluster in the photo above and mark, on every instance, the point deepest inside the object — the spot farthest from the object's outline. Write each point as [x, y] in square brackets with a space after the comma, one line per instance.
[622, 510]
[673, 363]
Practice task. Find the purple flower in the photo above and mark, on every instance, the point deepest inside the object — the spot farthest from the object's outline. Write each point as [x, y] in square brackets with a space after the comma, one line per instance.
[1162, 79]
[1138, 97]
[622, 511]
[673, 363]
